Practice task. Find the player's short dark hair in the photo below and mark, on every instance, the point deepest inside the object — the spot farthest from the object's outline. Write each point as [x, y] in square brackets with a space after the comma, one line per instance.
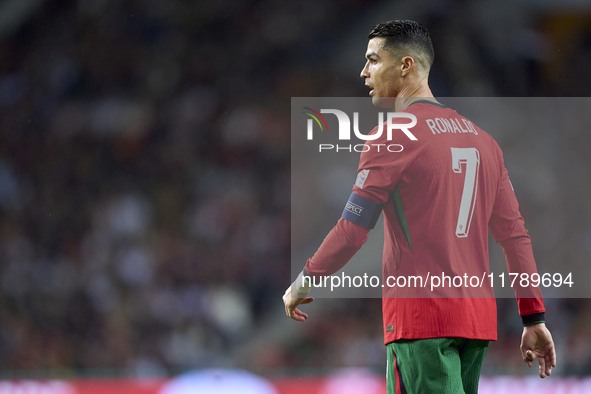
[405, 34]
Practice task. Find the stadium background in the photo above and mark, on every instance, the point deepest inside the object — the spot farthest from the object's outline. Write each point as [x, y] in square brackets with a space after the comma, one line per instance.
[145, 177]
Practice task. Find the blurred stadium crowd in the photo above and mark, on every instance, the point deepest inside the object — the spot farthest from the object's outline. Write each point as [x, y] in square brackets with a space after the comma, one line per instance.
[145, 175]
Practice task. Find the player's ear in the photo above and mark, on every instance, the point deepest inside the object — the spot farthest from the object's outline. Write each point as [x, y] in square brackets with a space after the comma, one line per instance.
[407, 64]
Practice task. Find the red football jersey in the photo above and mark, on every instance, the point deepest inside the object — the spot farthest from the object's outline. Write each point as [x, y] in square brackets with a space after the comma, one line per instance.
[440, 195]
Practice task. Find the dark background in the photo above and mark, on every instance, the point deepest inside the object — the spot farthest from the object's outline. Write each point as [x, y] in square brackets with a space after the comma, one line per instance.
[145, 175]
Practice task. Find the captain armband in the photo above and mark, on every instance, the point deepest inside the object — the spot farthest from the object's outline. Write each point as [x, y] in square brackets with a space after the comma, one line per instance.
[362, 212]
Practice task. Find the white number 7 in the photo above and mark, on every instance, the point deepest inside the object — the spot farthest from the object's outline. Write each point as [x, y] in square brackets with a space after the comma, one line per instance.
[470, 157]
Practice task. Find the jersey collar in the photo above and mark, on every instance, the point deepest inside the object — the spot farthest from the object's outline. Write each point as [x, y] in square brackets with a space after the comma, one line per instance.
[428, 102]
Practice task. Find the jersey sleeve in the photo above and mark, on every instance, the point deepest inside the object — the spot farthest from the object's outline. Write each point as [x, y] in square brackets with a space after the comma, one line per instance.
[341, 243]
[507, 228]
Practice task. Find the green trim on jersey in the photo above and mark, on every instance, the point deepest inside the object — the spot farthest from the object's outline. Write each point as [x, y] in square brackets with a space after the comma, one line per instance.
[428, 102]
[400, 216]
[534, 318]
[536, 322]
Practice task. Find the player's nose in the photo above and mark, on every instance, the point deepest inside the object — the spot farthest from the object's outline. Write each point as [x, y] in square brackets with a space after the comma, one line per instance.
[364, 72]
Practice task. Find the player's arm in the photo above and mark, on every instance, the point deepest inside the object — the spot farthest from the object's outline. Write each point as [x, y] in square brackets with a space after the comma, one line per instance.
[341, 243]
[508, 229]
[377, 175]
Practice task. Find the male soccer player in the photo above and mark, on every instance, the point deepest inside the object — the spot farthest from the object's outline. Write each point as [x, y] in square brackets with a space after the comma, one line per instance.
[440, 196]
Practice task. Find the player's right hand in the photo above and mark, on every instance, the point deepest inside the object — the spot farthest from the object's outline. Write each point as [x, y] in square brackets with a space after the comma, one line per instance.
[536, 342]
[291, 304]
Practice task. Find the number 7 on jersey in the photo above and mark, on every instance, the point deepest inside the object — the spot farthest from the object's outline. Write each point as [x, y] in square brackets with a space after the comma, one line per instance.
[471, 158]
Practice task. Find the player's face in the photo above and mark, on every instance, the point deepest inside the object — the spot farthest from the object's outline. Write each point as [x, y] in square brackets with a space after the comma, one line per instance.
[381, 73]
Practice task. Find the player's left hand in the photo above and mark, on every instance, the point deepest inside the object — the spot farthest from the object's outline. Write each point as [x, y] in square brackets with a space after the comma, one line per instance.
[536, 342]
[291, 304]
